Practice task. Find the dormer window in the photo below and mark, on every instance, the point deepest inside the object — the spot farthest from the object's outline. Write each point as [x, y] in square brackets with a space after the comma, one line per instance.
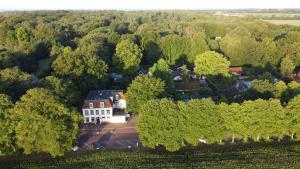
[91, 105]
[117, 97]
[101, 104]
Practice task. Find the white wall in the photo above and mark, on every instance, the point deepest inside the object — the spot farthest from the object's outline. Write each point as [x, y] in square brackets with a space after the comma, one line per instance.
[118, 119]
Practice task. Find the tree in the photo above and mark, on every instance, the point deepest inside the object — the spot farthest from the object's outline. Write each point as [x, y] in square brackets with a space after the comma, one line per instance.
[211, 63]
[87, 70]
[267, 52]
[238, 49]
[95, 45]
[127, 57]
[293, 116]
[43, 124]
[174, 48]
[287, 67]
[202, 120]
[25, 37]
[14, 82]
[151, 50]
[280, 87]
[263, 118]
[7, 139]
[264, 88]
[161, 124]
[178, 49]
[142, 89]
[63, 88]
[161, 70]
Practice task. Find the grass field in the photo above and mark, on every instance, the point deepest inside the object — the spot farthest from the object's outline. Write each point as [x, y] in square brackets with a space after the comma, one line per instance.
[285, 22]
[271, 155]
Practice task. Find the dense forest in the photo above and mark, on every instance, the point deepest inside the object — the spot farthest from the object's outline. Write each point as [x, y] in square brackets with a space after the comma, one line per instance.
[49, 60]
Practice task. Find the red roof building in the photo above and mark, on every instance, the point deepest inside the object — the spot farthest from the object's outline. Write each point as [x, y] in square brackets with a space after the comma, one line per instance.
[236, 70]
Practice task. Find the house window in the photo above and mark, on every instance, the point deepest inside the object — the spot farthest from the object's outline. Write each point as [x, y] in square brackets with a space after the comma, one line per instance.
[91, 105]
[92, 119]
[87, 120]
[108, 112]
[102, 104]
[86, 112]
[92, 112]
[97, 112]
[102, 112]
[117, 97]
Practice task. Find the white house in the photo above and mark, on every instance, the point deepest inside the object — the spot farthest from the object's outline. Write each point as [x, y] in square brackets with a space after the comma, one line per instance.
[104, 106]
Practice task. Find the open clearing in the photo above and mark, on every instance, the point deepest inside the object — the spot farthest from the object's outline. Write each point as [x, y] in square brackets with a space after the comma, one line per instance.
[259, 155]
[285, 22]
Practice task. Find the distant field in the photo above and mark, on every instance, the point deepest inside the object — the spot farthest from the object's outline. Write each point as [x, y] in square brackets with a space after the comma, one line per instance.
[258, 14]
[271, 155]
[285, 22]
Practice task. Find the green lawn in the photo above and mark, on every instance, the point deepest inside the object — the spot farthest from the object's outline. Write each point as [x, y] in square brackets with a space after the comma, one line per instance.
[285, 22]
[271, 155]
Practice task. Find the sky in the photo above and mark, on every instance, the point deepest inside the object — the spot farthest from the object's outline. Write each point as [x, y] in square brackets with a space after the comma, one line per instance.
[144, 4]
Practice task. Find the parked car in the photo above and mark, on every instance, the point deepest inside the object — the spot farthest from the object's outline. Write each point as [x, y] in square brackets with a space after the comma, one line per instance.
[75, 148]
[99, 146]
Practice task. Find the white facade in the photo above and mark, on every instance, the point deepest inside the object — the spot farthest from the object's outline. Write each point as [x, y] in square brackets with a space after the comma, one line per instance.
[97, 115]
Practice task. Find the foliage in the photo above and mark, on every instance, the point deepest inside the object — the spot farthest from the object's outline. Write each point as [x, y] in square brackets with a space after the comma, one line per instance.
[63, 88]
[287, 67]
[160, 124]
[161, 70]
[127, 57]
[43, 124]
[293, 116]
[178, 49]
[211, 63]
[142, 89]
[14, 82]
[7, 127]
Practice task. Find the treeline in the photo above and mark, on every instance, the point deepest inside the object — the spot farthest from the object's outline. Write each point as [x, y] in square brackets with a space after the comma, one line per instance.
[176, 125]
[38, 122]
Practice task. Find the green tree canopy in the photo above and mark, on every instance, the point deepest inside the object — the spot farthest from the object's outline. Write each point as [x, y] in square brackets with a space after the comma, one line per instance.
[287, 67]
[127, 57]
[43, 124]
[63, 88]
[161, 70]
[14, 82]
[7, 139]
[142, 89]
[293, 116]
[211, 63]
[160, 124]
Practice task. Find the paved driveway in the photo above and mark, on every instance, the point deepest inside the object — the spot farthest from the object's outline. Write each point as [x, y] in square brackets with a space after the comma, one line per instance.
[111, 136]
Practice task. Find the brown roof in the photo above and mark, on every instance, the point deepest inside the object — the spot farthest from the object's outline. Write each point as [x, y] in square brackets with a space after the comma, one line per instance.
[238, 70]
[107, 103]
[187, 86]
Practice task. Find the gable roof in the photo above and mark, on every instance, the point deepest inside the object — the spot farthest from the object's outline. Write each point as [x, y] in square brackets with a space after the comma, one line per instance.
[103, 94]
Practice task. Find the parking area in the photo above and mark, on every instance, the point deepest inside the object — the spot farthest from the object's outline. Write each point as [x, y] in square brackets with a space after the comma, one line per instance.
[109, 136]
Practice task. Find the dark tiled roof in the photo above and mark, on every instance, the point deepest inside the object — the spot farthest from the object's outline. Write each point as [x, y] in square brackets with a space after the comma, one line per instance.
[103, 94]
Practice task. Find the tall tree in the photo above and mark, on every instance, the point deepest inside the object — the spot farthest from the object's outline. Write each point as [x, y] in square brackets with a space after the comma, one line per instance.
[142, 89]
[287, 67]
[161, 70]
[160, 124]
[211, 63]
[43, 124]
[293, 116]
[127, 57]
[7, 139]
